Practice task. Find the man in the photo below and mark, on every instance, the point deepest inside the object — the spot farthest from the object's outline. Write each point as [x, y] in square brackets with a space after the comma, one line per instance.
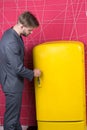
[12, 69]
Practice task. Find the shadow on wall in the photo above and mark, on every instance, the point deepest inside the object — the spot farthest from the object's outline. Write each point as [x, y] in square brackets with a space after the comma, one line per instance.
[32, 128]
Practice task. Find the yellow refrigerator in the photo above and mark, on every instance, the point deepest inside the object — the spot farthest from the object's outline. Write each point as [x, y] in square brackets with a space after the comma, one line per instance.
[60, 90]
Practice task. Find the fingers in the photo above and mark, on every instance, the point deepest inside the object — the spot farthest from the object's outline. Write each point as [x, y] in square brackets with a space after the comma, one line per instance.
[37, 72]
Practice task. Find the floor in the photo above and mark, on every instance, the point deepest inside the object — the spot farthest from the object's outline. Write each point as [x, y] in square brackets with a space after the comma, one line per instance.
[24, 127]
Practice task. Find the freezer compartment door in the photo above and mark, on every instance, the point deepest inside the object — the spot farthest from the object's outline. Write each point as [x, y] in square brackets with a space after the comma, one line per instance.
[61, 126]
[60, 92]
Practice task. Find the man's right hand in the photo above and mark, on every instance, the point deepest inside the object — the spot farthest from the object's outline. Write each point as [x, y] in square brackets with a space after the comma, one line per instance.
[37, 72]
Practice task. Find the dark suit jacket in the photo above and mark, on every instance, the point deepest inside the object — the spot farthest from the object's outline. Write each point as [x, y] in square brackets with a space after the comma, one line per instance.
[12, 69]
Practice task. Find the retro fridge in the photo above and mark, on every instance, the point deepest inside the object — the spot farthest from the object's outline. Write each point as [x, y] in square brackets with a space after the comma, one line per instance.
[60, 90]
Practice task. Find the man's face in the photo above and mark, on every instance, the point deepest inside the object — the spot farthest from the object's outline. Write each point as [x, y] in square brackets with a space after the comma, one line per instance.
[27, 30]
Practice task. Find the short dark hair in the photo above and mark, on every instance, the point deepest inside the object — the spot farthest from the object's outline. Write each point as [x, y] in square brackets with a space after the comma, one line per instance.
[28, 19]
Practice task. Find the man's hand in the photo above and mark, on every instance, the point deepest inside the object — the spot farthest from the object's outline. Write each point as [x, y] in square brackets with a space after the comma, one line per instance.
[37, 72]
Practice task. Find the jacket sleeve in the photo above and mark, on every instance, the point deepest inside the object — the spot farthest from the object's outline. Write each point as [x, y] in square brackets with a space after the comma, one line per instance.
[12, 51]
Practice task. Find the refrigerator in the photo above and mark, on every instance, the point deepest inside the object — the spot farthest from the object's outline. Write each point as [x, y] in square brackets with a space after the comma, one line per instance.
[60, 90]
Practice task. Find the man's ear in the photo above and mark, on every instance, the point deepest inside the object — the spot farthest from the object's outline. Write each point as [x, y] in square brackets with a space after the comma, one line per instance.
[21, 26]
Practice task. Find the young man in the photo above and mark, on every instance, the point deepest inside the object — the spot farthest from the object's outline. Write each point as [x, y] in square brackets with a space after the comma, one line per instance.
[12, 69]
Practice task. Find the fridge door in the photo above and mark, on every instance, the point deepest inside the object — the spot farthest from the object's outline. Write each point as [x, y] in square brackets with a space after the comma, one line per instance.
[61, 126]
[60, 91]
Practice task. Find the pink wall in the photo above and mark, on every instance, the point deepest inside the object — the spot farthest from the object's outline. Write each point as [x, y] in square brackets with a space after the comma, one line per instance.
[59, 20]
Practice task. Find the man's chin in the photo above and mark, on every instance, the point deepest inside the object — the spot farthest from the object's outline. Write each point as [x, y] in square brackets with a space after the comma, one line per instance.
[25, 35]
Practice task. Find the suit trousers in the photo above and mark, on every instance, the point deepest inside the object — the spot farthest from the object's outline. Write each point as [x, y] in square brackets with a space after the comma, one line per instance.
[12, 113]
